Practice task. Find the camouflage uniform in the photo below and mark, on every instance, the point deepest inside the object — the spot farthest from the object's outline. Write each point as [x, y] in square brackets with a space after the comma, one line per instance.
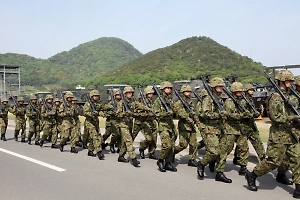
[48, 121]
[186, 128]
[77, 121]
[200, 122]
[281, 144]
[4, 118]
[19, 111]
[58, 118]
[33, 119]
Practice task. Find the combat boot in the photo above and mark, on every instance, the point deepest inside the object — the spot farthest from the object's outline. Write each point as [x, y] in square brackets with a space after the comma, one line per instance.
[251, 178]
[23, 140]
[211, 166]
[36, 143]
[100, 155]
[135, 162]
[118, 150]
[243, 170]
[220, 176]
[235, 161]
[41, 143]
[84, 146]
[16, 135]
[161, 165]
[91, 153]
[54, 146]
[112, 148]
[296, 193]
[200, 169]
[73, 150]
[61, 148]
[104, 145]
[78, 144]
[169, 167]
[282, 178]
[192, 163]
[122, 159]
[29, 141]
[3, 137]
[142, 154]
[152, 156]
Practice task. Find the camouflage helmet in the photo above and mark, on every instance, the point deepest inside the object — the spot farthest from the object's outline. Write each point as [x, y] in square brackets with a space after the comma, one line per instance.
[297, 80]
[4, 99]
[128, 89]
[40, 100]
[185, 88]
[116, 92]
[20, 99]
[148, 90]
[56, 100]
[94, 93]
[69, 95]
[236, 87]
[284, 75]
[217, 82]
[33, 97]
[203, 93]
[165, 84]
[48, 96]
[248, 87]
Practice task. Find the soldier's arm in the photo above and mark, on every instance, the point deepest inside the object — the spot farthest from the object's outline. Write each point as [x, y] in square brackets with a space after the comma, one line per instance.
[277, 110]
[208, 109]
[87, 111]
[231, 109]
[159, 111]
[179, 110]
[28, 111]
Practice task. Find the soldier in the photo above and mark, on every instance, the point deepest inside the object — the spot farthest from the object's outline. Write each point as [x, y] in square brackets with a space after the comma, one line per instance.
[19, 111]
[4, 118]
[166, 128]
[213, 131]
[283, 143]
[149, 127]
[91, 112]
[187, 130]
[77, 121]
[199, 120]
[33, 113]
[48, 113]
[125, 126]
[58, 119]
[67, 113]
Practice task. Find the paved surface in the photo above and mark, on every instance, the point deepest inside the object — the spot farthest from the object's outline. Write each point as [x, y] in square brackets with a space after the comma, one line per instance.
[89, 178]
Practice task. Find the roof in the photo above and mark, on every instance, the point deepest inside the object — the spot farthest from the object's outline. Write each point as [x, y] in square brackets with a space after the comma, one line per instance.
[10, 66]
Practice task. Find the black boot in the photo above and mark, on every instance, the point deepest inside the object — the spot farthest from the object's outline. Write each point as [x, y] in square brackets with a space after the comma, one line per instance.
[135, 162]
[235, 161]
[41, 143]
[118, 150]
[23, 140]
[78, 144]
[281, 178]
[100, 155]
[73, 150]
[29, 141]
[104, 145]
[161, 165]
[243, 170]
[220, 176]
[84, 146]
[251, 178]
[61, 148]
[211, 166]
[200, 169]
[152, 156]
[3, 137]
[112, 148]
[296, 193]
[192, 163]
[169, 167]
[91, 153]
[54, 146]
[36, 143]
[142, 154]
[122, 159]
[16, 138]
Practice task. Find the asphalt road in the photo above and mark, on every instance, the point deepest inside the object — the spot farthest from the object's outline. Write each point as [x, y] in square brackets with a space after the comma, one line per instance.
[83, 177]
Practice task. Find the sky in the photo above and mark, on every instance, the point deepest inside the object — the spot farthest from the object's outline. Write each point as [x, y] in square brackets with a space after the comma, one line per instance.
[268, 31]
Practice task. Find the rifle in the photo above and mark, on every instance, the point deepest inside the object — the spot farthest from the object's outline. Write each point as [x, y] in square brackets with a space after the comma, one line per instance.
[89, 100]
[31, 106]
[229, 94]
[184, 103]
[143, 97]
[249, 103]
[125, 103]
[113, 100]
[46, 105]
[197, 96]
[295, 92]
[65, 103]
[15, 102]
[208, 89]
[285, 99]
[162, 100]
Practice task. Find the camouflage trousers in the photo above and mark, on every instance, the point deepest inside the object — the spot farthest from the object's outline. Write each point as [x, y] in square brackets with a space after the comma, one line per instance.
[34, 129]
[3, 125]
[49, 129]
[20, 125]
[78, 130]
[137, 127]
[112, 131]
[126, 142]
[68, 130]
[93, 136]
[167, 138]
[226, 146]
[212, 145]
[276, 154]
[187, 138]
[149, 130]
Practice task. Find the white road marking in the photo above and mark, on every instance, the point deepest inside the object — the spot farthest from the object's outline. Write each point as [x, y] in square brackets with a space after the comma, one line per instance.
[33, 160]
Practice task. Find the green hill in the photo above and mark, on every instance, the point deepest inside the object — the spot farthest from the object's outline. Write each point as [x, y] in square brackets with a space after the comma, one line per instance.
[187, 58]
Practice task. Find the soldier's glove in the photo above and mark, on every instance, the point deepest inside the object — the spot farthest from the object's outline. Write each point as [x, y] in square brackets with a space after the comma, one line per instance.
[295, 118]
[192, 114]
[190, 120]
[170, 113]
[247, 114]
[257, 114]
[223, 114]
[128, 114]
[151, 114]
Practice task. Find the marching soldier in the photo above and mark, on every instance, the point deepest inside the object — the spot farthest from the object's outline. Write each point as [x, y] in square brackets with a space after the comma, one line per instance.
[77, 121]
[200, 121]
[19, 111]
[4, 118]
[187, 131]
[33, 113]
[283, 141]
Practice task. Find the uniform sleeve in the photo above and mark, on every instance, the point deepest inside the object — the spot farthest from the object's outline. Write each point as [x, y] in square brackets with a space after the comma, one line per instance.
[208, 109]
[231, 109]
[277, 110]
[158, 110]
[87, 111]
[28, 111]
[180, 110]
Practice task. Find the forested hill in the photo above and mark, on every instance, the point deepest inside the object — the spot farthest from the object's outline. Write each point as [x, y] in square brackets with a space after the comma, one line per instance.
[187, 58]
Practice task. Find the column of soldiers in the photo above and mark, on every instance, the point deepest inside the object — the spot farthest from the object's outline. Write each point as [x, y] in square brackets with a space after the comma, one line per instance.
[222, 125]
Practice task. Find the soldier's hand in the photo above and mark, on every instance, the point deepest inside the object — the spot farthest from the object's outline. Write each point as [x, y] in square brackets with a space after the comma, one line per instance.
[192, 114]
[129, 114]
[170, 113]
[190, 120]
[151, 114]
[95, 113]
[247, 114]
[295, 118]
[223, 114]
